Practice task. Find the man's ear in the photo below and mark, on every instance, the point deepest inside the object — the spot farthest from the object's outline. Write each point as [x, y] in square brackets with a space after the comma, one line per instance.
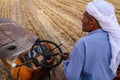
[92, 22]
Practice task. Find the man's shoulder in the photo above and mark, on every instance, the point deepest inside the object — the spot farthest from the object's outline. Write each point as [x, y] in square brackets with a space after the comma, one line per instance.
[87, 37]
[93, 37]
[81, 40]
[96, 35]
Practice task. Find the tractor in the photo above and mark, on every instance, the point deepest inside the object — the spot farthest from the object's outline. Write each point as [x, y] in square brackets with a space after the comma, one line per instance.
[24, 55]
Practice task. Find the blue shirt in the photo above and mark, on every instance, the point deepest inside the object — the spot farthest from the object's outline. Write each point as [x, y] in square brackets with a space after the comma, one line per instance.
[90, 58]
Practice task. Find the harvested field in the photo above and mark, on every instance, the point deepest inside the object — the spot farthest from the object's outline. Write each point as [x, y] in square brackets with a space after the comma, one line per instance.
[55, 20]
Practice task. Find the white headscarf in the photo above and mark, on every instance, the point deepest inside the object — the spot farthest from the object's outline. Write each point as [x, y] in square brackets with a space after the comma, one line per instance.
[104, 13]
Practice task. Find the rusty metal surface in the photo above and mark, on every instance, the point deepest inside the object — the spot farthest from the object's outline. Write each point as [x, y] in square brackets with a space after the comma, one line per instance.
[5, 52]
[24, 43]
[10, 31]
[12, 34]
[4, 39]
[15, 48]
[14, 31]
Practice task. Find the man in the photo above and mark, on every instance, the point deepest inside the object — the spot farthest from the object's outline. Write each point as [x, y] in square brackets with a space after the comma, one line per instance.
[95, 56]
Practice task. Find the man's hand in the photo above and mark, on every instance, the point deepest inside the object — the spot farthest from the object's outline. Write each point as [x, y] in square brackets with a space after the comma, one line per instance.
[65, 56]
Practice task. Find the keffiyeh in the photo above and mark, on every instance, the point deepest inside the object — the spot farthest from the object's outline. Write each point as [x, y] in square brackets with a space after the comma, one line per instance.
[104, 13]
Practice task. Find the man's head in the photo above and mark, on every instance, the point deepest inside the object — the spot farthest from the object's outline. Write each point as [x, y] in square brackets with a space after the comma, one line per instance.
[89, 23]
[103, 12]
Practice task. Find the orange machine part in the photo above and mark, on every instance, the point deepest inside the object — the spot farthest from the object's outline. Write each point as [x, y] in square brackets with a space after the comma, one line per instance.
[24, 72]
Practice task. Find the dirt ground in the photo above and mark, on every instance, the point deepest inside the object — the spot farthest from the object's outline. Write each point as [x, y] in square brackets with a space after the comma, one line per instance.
[55, 20]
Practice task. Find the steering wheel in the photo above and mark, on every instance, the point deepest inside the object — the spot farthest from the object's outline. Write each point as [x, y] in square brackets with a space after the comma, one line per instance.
[48, 52]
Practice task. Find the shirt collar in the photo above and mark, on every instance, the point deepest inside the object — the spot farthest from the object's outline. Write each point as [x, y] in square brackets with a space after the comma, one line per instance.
[96, 31]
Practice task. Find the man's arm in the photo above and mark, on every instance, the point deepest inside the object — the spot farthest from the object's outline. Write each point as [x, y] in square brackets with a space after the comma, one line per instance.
[73, 66]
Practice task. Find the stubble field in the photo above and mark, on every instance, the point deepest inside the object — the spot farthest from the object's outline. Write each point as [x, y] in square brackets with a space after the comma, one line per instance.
[55, 20]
